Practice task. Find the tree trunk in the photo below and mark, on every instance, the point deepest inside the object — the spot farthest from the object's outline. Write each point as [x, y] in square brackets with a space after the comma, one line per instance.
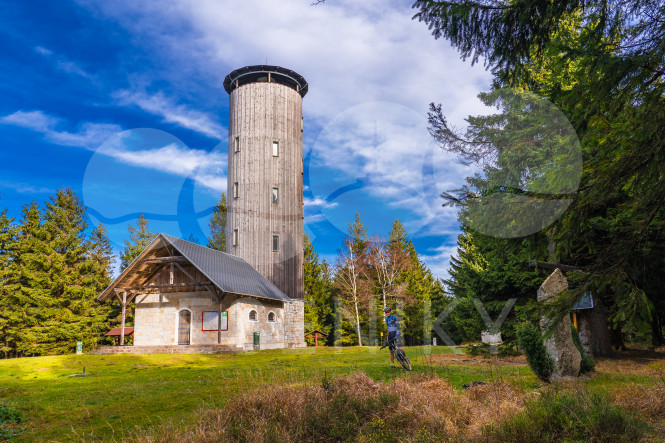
[617, 339]
[656, 331]
[600, 338]
[355, 302]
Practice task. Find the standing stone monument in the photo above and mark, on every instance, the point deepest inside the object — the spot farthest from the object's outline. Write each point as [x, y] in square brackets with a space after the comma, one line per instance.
[560, 344]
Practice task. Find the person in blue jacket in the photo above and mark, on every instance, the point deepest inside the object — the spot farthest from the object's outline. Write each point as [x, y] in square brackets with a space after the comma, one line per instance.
[393, 331]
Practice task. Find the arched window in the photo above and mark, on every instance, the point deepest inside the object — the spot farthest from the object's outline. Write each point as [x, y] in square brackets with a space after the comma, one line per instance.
[253, 315]
[271, 316]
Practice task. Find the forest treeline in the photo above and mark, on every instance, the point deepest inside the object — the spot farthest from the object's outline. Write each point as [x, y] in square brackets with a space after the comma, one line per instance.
[602, 65]
[53, 267]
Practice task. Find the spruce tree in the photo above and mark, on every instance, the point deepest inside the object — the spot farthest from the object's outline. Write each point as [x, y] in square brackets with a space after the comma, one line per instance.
[100, 252]
[25, 301]
[139, 238]
[318, 293]
[7, 239]
[217, 223]
[75, 279]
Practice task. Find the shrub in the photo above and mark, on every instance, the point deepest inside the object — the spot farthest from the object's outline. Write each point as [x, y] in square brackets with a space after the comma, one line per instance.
[531, 343]
[577, 415]
[504, 349]
[588, 364]
[10, 421]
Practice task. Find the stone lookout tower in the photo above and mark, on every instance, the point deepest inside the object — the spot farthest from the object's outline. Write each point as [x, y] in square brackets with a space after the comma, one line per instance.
[265, 181]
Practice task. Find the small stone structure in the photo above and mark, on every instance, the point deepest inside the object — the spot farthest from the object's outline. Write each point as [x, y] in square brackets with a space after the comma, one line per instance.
[560, 344]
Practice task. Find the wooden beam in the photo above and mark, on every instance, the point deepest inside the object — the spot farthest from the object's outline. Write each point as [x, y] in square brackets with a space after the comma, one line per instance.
[220, 297]
[185, 272]
[171, 274]
[170, 259]
[169, 286]
[122, 325]
[154, 275]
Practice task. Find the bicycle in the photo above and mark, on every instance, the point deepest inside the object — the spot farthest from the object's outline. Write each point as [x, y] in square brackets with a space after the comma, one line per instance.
[399, 354]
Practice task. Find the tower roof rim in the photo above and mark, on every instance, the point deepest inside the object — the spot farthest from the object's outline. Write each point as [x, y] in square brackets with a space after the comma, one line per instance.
[237, 74]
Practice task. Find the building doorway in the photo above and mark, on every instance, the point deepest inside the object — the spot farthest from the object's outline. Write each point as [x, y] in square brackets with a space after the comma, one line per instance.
[184, 327]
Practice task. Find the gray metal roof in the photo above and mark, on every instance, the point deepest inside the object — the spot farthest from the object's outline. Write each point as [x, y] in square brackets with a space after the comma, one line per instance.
[258, 73]
[228, 272]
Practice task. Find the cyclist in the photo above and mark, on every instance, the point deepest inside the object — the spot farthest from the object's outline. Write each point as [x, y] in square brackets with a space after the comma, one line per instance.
[393, 333]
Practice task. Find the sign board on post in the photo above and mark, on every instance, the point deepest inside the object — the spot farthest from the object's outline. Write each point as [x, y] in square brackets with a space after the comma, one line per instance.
[209, 321]
[79, 347]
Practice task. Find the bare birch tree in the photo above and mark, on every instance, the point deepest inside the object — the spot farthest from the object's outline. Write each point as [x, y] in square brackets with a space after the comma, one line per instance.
[351, 278]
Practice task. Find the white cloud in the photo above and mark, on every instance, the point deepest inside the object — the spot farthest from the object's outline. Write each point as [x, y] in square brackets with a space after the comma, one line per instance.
[43, 51]
[109, 140]
[352, 54]
[314, 218]
[438, 259]
[64, 64]
[171, 112]
[35, 120]
[318, 203]
[88, 135]
[24, 188]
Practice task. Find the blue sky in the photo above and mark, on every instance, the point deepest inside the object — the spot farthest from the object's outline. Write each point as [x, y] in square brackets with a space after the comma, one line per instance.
[123, 102]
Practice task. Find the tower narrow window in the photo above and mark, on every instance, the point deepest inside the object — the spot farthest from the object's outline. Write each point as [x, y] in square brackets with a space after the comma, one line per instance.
[235, 237]
[236, 144]
[275, 243]
[275, 149]
[235, 190]
[275, 195]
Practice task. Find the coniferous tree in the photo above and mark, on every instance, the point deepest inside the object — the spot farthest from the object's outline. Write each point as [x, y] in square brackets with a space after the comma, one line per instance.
[217, 239]
[75, 279]
[318, 293]
[601, 64]
[24, 298]
[139, 238]
[7, 239]
[101, 253]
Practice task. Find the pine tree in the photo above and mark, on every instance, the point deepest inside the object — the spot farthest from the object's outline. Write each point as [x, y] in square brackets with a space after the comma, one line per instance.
[217, 239]
[139, 238]
[318, 293]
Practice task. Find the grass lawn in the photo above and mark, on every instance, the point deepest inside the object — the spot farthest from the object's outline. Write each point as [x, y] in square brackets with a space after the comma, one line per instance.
[122, 393]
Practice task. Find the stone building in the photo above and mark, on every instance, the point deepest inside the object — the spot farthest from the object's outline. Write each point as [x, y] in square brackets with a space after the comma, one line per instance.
[178, 289]
[188, 295]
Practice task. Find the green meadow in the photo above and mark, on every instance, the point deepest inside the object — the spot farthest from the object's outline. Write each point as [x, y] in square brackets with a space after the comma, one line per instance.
[86, 397]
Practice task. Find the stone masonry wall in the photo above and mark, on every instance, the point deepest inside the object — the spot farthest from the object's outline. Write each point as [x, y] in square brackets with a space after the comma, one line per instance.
[294, 324]
[156, 320]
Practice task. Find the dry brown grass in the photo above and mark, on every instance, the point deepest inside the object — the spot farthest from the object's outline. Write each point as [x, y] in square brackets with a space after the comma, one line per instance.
[471, 360]
[647, 400]
[356, 408]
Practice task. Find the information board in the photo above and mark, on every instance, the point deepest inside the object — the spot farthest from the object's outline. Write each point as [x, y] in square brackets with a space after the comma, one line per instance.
[210, 320]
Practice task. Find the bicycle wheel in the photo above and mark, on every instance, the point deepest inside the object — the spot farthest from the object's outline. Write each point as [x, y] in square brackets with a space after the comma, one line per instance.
[401, 358]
